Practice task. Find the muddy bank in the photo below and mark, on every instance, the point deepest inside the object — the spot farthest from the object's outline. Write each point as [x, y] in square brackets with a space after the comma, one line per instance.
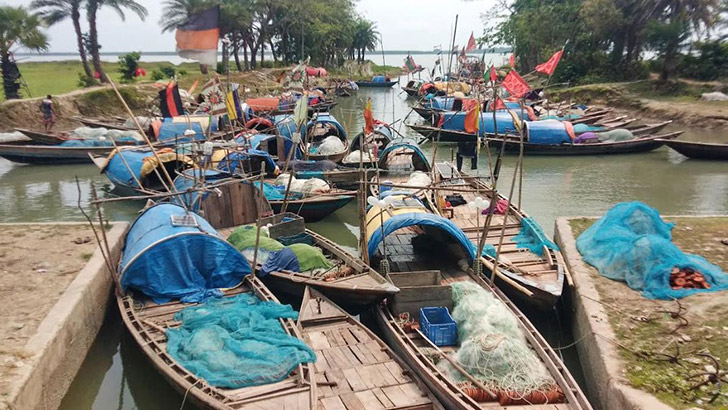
[679, 102]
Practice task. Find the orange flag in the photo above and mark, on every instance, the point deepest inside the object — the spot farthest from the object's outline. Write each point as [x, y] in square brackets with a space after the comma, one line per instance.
[368, 118]
[472, 119]
[512, 60]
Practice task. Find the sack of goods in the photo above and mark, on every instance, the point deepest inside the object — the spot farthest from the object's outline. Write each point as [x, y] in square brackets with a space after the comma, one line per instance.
[331, 145]
[356, 156]
[418, 179]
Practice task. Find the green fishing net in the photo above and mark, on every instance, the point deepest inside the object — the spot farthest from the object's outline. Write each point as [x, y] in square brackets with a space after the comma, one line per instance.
[492, 346]
[309, 257]
[243, 239]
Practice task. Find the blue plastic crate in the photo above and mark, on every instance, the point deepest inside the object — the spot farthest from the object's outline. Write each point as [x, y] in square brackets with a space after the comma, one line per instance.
[437, 324]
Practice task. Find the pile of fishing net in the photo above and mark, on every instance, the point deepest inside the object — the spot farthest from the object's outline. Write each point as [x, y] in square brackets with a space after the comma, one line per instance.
[303, 186]
[532, 237]
[356, 157]
[418, 179]
[237, 342]
[89, 133]
[331, 145]
[494, 350]
[274, 256]
[631, 243]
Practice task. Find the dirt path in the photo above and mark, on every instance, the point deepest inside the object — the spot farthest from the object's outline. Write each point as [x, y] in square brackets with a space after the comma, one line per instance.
[37, 263]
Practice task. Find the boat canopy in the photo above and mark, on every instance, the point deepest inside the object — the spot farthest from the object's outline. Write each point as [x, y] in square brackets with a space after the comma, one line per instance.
[127, 166]
[271, 145]
[244, 162]
[171, 253]
[173, 129]
[287, 125]
[455, 121]
[419, 161]
[328, 119]
[549, 132]
[187, 179]
[405, 212]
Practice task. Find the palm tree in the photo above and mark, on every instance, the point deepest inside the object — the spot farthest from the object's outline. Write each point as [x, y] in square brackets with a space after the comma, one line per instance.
[177, 12]
[92, 7]
[55, 11]
[17, 27]
[366, 37]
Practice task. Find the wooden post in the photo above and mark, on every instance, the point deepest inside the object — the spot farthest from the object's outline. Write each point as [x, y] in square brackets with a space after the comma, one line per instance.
[258, 222]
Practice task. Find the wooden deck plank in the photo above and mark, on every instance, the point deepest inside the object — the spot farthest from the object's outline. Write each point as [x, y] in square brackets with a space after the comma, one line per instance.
[351, 401]
[332, 403]
[370, 400]
[354, 379]
[382, 398]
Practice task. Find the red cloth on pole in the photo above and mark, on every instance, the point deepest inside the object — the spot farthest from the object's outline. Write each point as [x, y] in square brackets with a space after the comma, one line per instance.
[515, 84]
[512, 60]
[493, 74]
[471, 43]
[549, 66]
[368, 118]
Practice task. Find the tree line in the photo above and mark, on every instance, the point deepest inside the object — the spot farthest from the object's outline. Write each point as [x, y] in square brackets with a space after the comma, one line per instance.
[608, 40]
[328, 31]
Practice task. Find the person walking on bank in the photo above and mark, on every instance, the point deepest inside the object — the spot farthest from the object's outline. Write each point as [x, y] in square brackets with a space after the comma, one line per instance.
[48, 111]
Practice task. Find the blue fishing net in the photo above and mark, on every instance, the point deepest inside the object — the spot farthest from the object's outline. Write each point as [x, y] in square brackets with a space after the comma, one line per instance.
[633, 244]
[237, 342]
[532, 237]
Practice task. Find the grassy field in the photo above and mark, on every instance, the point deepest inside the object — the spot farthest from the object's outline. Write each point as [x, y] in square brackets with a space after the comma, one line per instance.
[58, 77]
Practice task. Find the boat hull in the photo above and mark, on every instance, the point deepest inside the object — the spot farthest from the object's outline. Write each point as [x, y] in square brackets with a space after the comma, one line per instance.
[370, 84]
[638, 145]
[700, 150]
[50, 155]
[313, 211]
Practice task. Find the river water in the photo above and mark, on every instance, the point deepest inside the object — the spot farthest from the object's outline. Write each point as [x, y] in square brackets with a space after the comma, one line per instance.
[116, 376]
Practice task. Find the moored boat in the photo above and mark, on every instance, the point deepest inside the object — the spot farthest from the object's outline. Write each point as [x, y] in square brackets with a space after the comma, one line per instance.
[321, 134]
[428, 259]
[161, 307]
[372, 376]
[25, 153]
[699, 150]
[378, 81]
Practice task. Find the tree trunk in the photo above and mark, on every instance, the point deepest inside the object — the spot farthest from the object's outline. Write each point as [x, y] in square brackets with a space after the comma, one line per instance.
[363, 54]
[245, 55]
[225, 58]
[618, 49]
[669, 64]
[273, 51]
[76, 18]
[93, 35]
[236, 53]
[10, 76]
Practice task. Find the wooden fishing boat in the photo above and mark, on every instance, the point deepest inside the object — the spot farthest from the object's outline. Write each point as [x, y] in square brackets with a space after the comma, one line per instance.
[398, 162]
[25, 153]
[426, 257]
[45, 138]
[374, 84]
[541, 275]
[412, 88]
[350, 283]
[148, 323]
[699, 150]
[354, 368]
[111, 124]
[315, 207]
[640, 144]
[320, 127]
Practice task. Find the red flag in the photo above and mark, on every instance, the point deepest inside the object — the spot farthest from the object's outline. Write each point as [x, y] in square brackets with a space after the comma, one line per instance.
[471, 43]
[493, 74]
[515, 84]
[368, 118]
[472, 119]
[512, 60]
[499, 104]
[549, 66]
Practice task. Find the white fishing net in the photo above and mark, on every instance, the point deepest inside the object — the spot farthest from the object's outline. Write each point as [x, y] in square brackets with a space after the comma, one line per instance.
[331, 145]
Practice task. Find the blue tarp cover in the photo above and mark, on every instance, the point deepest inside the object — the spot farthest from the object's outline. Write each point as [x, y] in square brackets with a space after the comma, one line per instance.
[168, 262]
[328, 119]
[174, 131]
[257, 139]
[283, 259]
[187, 180]
[237, 342]
[233, 162]
[547, 133]
[404, 143]
[119, 174]
[456, 121]
[631, 243]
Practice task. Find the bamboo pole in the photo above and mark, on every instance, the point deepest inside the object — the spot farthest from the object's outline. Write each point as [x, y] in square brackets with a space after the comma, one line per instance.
[258, 222]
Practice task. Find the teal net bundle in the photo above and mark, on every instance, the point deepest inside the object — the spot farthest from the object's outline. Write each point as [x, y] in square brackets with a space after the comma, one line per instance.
[493, 348]
[237, 342]
[532, 237]
[631, 243]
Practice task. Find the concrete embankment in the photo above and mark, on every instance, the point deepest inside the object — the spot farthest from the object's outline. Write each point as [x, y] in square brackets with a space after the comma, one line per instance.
[43, 348]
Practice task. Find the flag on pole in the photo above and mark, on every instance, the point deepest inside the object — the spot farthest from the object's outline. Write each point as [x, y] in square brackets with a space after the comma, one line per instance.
[230, 106]
[493, 74]
[471, 43]
[512, 60]
[409, 64]
[300, 113]
[368, 118]
[515, 84]
[197, 38]
[170, 101]
[472, 119]
[549, 66]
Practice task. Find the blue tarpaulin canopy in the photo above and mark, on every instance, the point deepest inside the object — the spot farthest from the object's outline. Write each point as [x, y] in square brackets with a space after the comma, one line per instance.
[187, 180]
[408, 144]
[328, 119]
[256, 140]
[174, 254]
[234, 161]
[174, 132]
[456, 121]
[118, 172]
[549, 132]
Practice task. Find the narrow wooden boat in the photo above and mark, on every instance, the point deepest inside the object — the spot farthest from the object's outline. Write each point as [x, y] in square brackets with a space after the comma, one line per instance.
[374, 84]
[426, 257]
[648, 129]
[354, 368]
[315, 207]
[148, 323]
[412, 88]
[117, 124]
[640, 144]
[25, 153]
[542, 275]
[46, 138]
[699, 150]
[320, 127]
[350, 283]
[398, 162]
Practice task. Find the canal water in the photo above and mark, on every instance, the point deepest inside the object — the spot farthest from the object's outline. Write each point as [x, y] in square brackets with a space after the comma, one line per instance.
[116, 376]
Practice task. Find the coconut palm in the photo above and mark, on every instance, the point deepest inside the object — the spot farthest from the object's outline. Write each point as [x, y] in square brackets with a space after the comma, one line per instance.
[92, 7]
[366, 37]
[18, 27]
[176, 12]
[55, 11]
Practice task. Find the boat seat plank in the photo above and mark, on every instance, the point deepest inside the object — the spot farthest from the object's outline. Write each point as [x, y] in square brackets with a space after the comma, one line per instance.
[332, 403]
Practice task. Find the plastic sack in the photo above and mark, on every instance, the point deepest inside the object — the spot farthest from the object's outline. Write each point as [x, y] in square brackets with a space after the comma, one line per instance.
[631, 243]
[356, 156]
[314, 185]
[619, 134]
[331, 145]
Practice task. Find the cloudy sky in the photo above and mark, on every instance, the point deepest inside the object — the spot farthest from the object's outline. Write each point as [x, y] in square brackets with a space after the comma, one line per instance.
[404, 24]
